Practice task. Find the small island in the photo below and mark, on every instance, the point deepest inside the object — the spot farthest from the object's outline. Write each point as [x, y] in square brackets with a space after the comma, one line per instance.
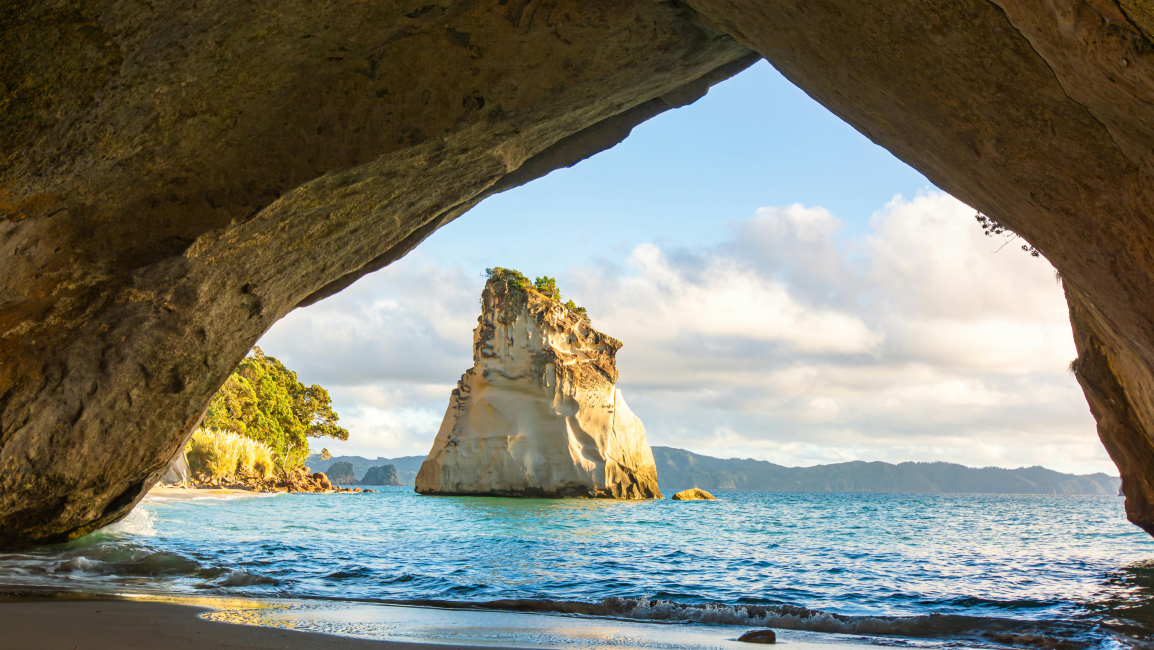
[539, 413]
[380, 475]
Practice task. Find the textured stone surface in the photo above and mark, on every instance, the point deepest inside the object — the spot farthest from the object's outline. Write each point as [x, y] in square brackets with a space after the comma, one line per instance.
[340, 474]
[380, 475]
[539, 413]
[758, 636]
[694, 494]
[176, 177]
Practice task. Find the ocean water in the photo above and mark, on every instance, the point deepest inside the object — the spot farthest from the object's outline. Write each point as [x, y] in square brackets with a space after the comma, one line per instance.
[1054, 572]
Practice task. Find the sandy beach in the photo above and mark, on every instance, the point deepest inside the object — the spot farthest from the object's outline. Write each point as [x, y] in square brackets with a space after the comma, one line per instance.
[124, 625]
[79, 622]
[178, 493]
[199, 493]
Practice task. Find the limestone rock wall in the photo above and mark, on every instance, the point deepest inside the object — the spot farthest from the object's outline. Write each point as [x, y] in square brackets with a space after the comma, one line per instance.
[539, 413]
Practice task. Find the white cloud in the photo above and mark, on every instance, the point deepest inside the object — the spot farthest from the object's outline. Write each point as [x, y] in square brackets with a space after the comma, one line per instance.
[388, 349]
[789, 341]
[719, 302]
[792, 343]
[387, 432]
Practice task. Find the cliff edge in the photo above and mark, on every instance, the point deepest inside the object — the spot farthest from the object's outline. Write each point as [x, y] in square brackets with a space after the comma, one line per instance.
[538, 414]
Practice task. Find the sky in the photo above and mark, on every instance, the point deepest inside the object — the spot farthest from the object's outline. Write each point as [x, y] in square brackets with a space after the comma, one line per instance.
[786, 290]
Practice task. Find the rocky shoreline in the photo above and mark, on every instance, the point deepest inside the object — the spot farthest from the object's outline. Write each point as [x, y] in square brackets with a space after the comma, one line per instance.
[300, 480]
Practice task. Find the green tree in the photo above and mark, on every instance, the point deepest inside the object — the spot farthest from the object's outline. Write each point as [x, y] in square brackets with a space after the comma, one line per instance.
[580, 311]
[264, 401]
[548, 287]
[545, 285]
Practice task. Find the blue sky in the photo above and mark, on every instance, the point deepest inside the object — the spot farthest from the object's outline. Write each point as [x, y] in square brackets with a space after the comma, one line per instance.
[754, 140]
[786, 290]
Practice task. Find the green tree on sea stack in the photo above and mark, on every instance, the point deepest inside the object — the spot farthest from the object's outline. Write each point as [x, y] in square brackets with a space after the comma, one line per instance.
[545, 286]
[548, 287]
[264, 401]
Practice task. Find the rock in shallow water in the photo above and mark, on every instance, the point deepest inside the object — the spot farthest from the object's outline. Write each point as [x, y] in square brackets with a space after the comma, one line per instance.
[758, 636]
[694, 494]
[538, 414]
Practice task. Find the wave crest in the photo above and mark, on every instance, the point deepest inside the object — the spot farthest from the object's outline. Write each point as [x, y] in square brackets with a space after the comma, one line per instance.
[245, 579]
[1049, 635]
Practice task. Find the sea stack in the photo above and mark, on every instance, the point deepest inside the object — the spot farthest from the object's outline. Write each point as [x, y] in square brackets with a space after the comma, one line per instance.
[539, 413]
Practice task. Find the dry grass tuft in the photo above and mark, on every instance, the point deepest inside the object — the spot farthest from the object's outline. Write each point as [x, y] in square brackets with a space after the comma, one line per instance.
[224, 454]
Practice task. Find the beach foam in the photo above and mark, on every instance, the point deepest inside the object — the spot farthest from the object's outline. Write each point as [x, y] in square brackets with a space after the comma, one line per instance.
[138, 523]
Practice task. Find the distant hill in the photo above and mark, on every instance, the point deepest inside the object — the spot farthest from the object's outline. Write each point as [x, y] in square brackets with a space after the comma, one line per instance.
[678, 469]
[407, 466]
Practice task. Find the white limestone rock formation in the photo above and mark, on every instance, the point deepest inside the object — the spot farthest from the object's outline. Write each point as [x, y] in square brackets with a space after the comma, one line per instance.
[538, 414]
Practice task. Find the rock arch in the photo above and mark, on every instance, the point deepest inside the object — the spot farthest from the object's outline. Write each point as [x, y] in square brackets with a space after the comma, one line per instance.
[174, 181]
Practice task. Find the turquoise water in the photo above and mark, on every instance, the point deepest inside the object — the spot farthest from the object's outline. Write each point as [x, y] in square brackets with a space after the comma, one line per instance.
[988, 568]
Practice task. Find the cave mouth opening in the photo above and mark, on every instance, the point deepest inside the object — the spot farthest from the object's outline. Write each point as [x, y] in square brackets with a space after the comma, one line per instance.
[130, 302]
[750, 233]
[785, 287]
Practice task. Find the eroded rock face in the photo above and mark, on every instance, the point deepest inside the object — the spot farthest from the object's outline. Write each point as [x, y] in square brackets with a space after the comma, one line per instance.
[341, 474]
[539, 413]
[694, 494]
[175, 178]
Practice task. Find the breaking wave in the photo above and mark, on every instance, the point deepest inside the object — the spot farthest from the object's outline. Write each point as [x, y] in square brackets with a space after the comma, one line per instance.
[1047, 635]
[245, 579]
[101, 566]
[138, 523]
[792, 617]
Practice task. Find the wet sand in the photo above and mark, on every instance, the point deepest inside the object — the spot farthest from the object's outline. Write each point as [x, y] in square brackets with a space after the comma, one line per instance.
[123, 625]
[199, 493]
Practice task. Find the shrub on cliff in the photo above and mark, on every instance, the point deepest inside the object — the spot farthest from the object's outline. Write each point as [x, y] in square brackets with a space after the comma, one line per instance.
[515, 282]
[991, 227]
[513, 278]
[263, 401]
[580, 311]
[547, 287]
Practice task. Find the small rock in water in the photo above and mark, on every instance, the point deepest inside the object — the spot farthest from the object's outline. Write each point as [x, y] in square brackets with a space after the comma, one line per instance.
[757, 636]
[695, 494]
